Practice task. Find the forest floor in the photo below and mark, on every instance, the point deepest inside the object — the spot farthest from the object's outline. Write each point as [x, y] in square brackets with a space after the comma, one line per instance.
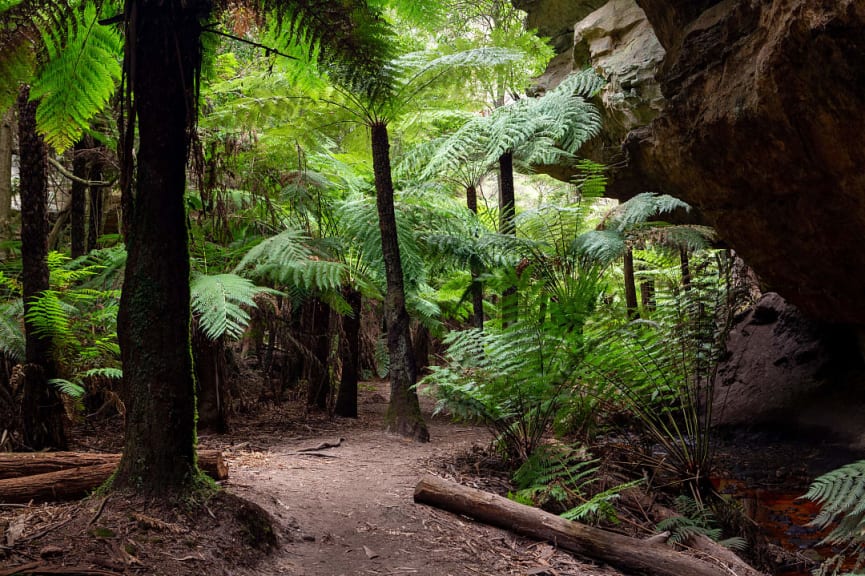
[349, 512]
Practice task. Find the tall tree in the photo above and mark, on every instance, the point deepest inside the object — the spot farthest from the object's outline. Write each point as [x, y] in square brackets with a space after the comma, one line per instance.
[5, 172]
[42, 410]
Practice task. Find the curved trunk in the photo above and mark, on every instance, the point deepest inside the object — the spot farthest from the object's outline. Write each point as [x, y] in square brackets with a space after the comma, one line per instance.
[349, 351]
[154, 319]
[403, 413]
[42, 410]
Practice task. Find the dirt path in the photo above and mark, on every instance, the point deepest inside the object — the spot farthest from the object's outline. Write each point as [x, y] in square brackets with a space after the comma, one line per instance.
[352, 512]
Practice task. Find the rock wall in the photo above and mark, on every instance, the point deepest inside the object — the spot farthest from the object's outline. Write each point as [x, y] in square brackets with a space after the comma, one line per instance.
[759, 128]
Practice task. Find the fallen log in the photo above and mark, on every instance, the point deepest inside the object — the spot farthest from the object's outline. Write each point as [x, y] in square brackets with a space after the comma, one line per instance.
[70, 483]
[21, 464]
[629, 554]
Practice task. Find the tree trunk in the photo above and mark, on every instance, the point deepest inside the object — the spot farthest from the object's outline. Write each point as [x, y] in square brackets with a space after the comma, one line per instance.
[154, 319]
[630, 286]
[213, 398]
[24, 464]
[403, 414]
[628, 554]
[507, 225]
[315, 326]
[6, 173]
[94, 221]
[349, 351]
[685, 267]
[422, 344]
[647, 295]
[476, 288]
[42, 410]
[76, 482]
[78, 198]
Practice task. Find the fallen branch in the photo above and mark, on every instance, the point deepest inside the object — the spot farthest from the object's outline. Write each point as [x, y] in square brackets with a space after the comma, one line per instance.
[70, 483]
[21, 464]
[629, 554]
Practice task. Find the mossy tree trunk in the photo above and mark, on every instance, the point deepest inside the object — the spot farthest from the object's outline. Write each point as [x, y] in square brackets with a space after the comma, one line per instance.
[5, 172]
[154, 319]
[349, 352]
[403, 414]
[477, 288]
[41, 410]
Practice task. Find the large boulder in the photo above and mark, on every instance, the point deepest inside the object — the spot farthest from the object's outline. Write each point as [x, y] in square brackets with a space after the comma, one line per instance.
[786, 371]
[759, 129]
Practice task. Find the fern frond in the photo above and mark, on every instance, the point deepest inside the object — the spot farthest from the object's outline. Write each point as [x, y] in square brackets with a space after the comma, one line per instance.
[110, 373]
[219, 300]
[67, 387]
[78, 78]
[12, 342]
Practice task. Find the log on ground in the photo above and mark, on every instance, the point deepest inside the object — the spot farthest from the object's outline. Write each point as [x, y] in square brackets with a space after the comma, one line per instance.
[20, 464]
[70, 483]
[628, 554]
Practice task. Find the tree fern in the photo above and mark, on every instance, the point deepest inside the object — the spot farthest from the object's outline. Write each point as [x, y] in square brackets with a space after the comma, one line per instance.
[841, 496]
[219, 300]
[79, 77]
[696, 519]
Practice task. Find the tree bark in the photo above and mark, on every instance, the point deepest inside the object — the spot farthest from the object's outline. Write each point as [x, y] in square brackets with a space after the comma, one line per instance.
[94, 220]
[685, 266]
[213, 396]
[26, 464]
[477, 288]
[630, 285]
[349, 351]
[154, 319]
[647, 295]
[42, 410]
[315, 325]
[6, 172]
[629, 554]
[507, 225]
[72, 483]
[78, 199]
[403, 414]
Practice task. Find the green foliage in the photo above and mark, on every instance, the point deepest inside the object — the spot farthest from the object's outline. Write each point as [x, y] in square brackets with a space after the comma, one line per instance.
[218, 302]
[662, 370]
[561, 478]
[78, 78]
[695, 519]
[841, 496]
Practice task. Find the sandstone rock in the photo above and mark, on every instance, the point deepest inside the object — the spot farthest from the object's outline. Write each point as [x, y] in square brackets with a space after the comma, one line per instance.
[555, 18]
[785, 370]
[762, 131]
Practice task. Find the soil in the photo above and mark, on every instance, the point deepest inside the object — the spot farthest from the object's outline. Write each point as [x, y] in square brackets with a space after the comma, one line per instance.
[342, 510]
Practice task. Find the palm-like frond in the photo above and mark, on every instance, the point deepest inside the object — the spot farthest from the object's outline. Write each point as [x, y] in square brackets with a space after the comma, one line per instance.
[11, 331]
[218, 301]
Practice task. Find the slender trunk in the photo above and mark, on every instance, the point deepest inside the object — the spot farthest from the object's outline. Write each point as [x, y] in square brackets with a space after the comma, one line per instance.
[42, 410]
[349, 351]
[78, 200]
[422, 344]
[477, 288]
[315, 326]
[403, 413]
[154, 319]
[94, 221]
[507, 225]
[647, 295]
[212, 382]
[686, 268]
[630, 285]
[5, 173]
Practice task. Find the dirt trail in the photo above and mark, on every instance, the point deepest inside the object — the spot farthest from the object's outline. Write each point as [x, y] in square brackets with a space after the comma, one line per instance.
[352, 511]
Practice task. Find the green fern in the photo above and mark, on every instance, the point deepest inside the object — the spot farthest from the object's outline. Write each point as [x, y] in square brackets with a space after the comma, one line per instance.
[49, 316]
[218, 301]
[695, 520]
[109, 373]
[67, 387]
[12, 342]
[78, 78]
